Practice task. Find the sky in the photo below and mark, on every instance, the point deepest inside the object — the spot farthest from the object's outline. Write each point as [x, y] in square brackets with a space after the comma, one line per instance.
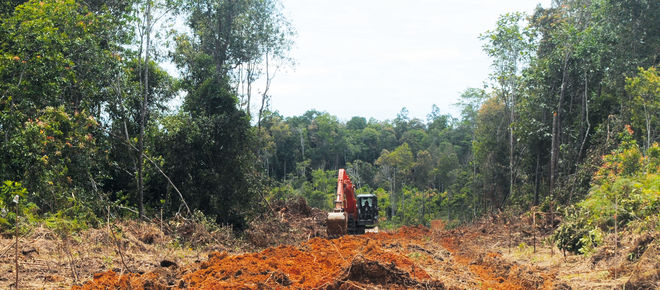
[371, 58]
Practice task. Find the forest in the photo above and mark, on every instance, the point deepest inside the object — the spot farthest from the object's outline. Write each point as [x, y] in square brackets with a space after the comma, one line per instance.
[93, 127]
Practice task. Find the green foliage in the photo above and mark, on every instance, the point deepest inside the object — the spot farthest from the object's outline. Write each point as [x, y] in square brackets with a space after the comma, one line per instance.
[12, 192]
[282, 192]
[590, 241]
[645, 89]
[490, 151]
[55, 153]
[625, 185]
[570, 234]
[71, 99]
[624, 189]
[319, 192]
[72, 220]
[323, 188]
[383, 201]
[510, 45]
[57, 60]
[210, 157]
[575, 233]
[54, 53]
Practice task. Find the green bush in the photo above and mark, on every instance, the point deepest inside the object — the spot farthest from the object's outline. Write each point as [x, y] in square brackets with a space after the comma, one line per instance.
[10, 191]
[73, 219]
[624, 190]
[569, 236]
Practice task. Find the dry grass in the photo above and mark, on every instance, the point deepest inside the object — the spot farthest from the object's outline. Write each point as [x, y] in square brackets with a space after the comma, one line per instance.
[46, 260]
[608, 267]
[487, 254]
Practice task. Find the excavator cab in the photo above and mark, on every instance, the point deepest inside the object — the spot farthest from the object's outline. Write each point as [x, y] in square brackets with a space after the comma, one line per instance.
[367, 210]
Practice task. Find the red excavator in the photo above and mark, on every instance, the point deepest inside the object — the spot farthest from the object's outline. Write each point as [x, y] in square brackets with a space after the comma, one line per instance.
[352, 214]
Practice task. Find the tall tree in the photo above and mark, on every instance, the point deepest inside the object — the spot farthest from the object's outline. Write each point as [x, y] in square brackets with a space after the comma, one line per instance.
[398, 162]
[245, 40]
[510, 46]
[490, 152]
[645, 89]
[59, 60]
[145, 32]
[219, 169]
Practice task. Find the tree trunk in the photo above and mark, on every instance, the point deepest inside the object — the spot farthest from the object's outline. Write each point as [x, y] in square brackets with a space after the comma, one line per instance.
[585, 105]
[392, 195]
[422, 220]
[553, 152]
[222, 40]
[536, 177]
[249, 74]
[648, 127]
[556, 128]
[511, 120]
[143, 111]
[264, 96]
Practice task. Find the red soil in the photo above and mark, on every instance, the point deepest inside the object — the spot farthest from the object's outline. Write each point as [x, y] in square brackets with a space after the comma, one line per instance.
[315, 263]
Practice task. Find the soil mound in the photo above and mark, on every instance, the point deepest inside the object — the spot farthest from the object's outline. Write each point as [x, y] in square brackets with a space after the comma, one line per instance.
[381, 260]
[363, 271]
[294, 222]
[112, 280]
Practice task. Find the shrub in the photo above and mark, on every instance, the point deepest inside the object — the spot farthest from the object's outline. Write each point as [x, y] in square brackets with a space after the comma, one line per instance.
[9, 190]
[570, 234]
[624, 189]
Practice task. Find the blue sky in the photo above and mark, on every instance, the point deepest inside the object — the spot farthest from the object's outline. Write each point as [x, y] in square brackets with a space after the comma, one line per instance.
[371, 58]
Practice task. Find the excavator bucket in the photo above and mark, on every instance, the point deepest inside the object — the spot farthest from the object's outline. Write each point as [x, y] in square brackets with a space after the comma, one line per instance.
[337, 224]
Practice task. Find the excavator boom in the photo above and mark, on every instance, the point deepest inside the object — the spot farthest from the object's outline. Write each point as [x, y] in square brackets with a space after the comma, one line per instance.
[344, 206]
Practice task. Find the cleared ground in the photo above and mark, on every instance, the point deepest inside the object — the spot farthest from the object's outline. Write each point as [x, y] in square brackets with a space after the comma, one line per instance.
[290, 250]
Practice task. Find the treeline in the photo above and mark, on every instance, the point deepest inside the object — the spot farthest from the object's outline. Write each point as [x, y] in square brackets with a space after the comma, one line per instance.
[402, 159]
[86, 131]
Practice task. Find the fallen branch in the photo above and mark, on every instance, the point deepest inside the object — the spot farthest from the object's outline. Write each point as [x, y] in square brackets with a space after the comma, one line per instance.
[65, 249]
[6, 249]
[121, 255]
[353, 284]
[268, 203]
[338, 252]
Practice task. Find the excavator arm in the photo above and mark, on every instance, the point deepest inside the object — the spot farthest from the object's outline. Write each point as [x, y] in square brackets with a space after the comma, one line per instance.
[345, 208]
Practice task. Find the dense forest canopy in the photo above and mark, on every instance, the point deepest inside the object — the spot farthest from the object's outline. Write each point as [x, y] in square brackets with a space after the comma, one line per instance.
[85, 128]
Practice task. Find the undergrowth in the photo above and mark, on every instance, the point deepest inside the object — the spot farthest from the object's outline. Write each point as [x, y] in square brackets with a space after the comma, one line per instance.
[624, 191]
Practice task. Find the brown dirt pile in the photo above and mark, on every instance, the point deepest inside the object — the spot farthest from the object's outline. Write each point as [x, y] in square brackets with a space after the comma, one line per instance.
[495, 253]
[348, 262]
[294, 222]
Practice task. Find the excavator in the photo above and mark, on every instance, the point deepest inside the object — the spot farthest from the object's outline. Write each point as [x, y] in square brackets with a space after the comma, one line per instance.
[351, 214]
